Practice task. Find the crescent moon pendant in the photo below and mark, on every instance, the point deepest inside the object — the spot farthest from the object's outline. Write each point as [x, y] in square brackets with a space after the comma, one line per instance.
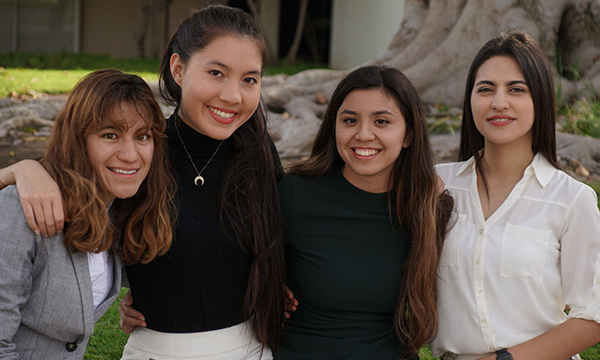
[199, 178]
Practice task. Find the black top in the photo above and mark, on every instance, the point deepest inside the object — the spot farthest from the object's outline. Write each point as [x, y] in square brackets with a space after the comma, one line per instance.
[200, 283]
[344, 260]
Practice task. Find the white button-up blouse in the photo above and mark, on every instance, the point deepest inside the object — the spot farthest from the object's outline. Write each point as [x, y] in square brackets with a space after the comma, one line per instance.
[507, 279]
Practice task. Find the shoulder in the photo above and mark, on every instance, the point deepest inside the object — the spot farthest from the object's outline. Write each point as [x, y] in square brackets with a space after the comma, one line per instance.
[564, 189]
[11, 210]
[448, 171]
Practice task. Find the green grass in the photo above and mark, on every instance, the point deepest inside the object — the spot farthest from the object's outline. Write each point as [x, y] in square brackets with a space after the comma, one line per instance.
[108, 340]
[30, 73]
[20, 81]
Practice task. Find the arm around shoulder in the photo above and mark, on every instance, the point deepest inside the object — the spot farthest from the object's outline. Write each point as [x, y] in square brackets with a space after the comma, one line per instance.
[41, 199]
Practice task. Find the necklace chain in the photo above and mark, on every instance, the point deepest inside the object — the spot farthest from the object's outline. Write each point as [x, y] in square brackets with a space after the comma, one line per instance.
[199, 177]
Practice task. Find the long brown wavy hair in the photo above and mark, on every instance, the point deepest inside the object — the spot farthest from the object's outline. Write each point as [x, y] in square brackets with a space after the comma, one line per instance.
[415, 201]
[517, 45]
[139, 228]
[249, 197]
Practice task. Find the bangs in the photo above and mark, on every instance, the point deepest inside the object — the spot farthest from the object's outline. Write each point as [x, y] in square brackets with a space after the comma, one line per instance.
[109, 114]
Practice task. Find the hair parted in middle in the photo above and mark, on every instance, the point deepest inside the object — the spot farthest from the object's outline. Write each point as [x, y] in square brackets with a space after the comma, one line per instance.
[415, 200]
[141, 225]
[249, 197]
[519, 46]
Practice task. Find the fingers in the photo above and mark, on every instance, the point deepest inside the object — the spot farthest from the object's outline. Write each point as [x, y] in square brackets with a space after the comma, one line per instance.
[30, 217]
[290, 303]
[130, 318]
[40, 197]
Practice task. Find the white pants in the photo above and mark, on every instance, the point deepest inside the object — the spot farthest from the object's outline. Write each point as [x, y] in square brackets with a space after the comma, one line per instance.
[233, 343]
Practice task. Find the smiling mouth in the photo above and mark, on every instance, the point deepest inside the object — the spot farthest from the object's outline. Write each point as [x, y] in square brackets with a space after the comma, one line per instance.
[124, 172]
[221, 114]
[365, 152]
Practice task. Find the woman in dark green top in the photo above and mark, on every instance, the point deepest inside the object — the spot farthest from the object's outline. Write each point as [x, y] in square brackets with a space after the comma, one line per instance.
[364, 226]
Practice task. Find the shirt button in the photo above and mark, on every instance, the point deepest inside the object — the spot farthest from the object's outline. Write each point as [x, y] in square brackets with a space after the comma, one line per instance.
[479, 291]
[480, 231]
[483, 320]
[491, 348]
[478, 261]
[72, 346]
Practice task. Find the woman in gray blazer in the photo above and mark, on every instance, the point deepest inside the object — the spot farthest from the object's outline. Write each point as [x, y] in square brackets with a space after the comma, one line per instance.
[108, 156]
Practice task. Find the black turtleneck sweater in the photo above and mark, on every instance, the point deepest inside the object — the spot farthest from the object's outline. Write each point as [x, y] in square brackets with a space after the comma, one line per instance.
[200, 283]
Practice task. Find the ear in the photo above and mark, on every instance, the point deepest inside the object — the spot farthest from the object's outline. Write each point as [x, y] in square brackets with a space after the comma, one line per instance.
[176, 65]
[408, 136]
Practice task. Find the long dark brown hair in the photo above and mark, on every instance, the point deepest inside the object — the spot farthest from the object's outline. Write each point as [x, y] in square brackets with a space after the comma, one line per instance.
[517, 45]
[249, 197]
[415, 200]
[143, 223]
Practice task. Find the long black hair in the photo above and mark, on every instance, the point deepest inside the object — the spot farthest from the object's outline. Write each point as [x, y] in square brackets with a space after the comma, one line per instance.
[415, 202]
[249, 197]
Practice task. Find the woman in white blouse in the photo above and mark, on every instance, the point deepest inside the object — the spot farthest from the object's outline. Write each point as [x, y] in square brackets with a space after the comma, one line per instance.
[526, 241]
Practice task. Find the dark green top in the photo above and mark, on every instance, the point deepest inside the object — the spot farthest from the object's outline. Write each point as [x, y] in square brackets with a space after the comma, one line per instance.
[344, 261]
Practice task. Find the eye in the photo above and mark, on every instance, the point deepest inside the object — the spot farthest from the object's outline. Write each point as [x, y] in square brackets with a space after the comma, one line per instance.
[109, 136]
[381, 122]
[517, 90]
[216, 73]
[349, 121]
[250, 81]
[484, 90]
[144, 137]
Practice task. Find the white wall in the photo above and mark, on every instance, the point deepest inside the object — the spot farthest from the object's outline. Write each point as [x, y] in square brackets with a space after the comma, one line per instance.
[362, 29]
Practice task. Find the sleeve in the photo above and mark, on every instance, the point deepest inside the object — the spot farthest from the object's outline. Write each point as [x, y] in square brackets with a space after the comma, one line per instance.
[17, 254]
[580, 257]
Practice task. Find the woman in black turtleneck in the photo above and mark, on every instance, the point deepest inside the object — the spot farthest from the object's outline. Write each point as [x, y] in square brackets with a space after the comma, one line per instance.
[218, 292]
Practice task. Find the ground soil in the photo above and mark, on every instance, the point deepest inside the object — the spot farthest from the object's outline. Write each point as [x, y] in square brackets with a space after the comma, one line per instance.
[29, 148]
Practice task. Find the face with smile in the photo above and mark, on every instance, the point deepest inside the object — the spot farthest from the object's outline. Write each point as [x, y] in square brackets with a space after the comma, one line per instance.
[501, 103]
[220, 85]
[370, 134]
[121, 157]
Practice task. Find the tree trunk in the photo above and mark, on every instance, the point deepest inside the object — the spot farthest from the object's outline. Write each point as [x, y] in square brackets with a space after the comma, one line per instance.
[434, 48]
[290, 58]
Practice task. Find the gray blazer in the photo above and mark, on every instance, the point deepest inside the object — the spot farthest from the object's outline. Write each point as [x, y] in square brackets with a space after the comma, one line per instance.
[46, 302]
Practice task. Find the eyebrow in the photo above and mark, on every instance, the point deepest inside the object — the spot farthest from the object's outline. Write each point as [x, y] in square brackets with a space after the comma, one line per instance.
[218, 63]
[378, 112]
[510, 83]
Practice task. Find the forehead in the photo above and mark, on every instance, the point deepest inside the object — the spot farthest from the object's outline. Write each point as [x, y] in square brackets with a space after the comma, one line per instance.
[241, 53]
[126, 115]
[500, 67]
[368, 101]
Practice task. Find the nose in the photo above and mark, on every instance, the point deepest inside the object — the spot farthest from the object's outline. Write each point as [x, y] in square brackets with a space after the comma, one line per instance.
[364, 132]
[128, 150]
[500, 103]
[231, 93]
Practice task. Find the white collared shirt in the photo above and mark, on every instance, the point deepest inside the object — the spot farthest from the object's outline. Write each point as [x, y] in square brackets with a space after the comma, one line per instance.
[507, 280]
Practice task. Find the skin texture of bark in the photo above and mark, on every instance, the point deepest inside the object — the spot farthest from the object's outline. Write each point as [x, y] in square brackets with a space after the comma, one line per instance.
[434, 48]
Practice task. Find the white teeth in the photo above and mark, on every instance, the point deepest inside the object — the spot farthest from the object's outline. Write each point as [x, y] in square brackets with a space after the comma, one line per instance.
[502, 119]
[366, 152]
[221, 114]
[125, 172]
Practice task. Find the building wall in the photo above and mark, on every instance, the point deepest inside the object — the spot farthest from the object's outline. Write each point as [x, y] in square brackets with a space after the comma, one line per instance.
[110, 26]
[362, 29]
